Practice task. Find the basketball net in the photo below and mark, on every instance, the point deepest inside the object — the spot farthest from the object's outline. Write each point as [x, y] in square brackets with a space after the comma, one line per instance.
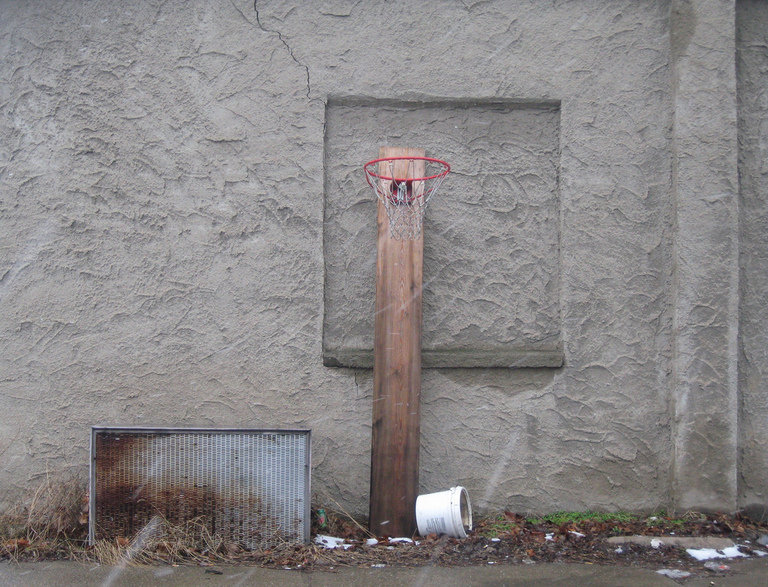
[404, 185]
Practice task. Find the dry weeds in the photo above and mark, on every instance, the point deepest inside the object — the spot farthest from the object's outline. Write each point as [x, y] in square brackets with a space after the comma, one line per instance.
[53, 525]
[50, 524]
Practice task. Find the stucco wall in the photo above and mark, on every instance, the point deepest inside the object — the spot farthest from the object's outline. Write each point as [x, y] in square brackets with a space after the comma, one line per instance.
[491, 247]
[176, 187]
[752, 67]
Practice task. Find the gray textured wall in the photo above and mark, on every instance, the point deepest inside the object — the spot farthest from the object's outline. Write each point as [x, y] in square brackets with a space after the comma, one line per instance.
[491, 262]
[752, 67]
[705, 254]
[183, 219]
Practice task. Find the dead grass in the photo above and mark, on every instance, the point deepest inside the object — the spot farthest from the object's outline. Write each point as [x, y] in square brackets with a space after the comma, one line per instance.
[51, 523]
[163, 542]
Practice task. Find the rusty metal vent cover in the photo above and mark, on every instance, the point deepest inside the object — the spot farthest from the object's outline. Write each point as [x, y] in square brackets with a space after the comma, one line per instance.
[250, 487]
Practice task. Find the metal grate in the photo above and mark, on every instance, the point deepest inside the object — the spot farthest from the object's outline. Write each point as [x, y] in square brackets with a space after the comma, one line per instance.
[251, 487]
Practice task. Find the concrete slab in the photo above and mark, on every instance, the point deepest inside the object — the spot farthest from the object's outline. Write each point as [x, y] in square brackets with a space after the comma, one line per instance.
[63, 573]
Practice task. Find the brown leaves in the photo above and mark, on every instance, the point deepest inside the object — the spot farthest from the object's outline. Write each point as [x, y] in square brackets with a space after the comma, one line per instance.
[16, 544]
[82, 519]
[504, 537]
[512, 517]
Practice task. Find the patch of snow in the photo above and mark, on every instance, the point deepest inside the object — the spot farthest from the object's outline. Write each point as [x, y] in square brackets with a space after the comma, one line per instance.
[371, 542]
[674, 573]
[760, 552]
[619, 550]
[495, 539]
[402, 539]
[378, 566]
[656, 543]
[331, 542]
[577, 534]
[733, 552]
[703, 554]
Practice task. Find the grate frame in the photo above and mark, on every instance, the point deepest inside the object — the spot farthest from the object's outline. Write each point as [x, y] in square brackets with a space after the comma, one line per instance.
[249, 485]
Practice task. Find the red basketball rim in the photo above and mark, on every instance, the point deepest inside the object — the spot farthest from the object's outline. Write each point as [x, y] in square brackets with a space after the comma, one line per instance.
[369, 173]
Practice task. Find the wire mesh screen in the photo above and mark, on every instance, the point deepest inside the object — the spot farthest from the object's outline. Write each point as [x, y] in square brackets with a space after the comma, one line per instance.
[250, 487]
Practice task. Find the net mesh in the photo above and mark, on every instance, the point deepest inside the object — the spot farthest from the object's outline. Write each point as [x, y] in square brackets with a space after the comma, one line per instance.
[405, 185]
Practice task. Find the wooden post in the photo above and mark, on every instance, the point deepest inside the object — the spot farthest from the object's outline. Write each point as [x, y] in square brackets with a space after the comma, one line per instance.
[396, 372]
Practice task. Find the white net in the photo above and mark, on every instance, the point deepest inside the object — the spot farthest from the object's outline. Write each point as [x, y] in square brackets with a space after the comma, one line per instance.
[405, 185]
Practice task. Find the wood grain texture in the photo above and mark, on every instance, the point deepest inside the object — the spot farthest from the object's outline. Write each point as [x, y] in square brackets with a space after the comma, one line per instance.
[396, 375]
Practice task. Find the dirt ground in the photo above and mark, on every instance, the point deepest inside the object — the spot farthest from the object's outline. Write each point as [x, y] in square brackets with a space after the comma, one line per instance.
[507, 538]
[514, 539]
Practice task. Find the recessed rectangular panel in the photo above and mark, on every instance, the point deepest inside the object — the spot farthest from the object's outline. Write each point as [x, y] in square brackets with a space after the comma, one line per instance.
[251, 487]
[491, 236]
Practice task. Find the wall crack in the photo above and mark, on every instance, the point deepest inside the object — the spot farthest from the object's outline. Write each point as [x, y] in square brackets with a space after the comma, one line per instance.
[282, 40]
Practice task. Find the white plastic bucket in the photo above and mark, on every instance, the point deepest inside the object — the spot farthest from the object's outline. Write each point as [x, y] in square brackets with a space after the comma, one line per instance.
[445, 512]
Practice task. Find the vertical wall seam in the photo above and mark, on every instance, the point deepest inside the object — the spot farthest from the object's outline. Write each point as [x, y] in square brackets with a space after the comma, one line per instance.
[674, 287]
[705, 281]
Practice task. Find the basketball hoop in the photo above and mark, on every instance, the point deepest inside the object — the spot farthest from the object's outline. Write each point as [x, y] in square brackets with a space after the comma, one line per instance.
[404, 185]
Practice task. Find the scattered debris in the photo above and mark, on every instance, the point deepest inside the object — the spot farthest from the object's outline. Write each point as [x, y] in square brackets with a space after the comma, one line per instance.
[331, 542]
[403, 539]
[322, 520]
[702, 554]
[507, 538]
[674, 573]
[717, 567]
[715, 542]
